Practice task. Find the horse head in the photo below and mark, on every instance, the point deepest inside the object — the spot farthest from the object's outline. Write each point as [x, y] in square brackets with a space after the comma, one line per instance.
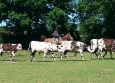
[67, 37]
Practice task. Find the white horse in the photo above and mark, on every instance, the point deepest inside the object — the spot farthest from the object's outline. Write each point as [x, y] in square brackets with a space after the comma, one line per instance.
[37, 46]
[72, 46]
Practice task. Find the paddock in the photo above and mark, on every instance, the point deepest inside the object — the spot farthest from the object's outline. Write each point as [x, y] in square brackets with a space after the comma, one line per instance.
[66, 71]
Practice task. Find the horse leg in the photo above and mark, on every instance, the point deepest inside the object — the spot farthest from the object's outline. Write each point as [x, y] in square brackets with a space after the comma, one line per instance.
[81, 54]
[1, 55]
[97, 55]
[65, 53]
[111, 53]
[13, 54]
[101, 55]
[74, 55]
[10, 56]
[45, 53]
[96, 52]
[53, 56]
[105, 53]
[92, 55]
[32, 56]
[61, 55]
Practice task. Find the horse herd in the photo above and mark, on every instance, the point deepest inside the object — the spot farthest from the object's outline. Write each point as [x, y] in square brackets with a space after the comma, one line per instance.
[67, 44]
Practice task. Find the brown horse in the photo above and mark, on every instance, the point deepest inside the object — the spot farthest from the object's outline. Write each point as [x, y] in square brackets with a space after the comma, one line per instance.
[65, 37]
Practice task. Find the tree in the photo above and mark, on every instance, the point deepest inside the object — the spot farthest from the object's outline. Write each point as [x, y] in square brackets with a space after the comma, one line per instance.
[96, 18]
[36, 17]
[59, 17]
[31, 15]
[109, 18]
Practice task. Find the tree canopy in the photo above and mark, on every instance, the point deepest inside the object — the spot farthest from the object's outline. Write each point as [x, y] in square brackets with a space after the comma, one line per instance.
[97, 18]
[38, 16]
[84, 19]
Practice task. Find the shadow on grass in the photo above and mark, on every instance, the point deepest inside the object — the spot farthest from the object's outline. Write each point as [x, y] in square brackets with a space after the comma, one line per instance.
[12, 60]
[44, 61]
[103, 59]
[61, 60]
[108, 59]
[79, 60]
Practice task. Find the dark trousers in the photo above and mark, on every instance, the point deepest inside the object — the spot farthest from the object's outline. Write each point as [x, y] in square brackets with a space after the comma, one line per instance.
[56, 37]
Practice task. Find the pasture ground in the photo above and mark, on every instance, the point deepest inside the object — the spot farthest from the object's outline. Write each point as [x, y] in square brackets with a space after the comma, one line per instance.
[77, 71]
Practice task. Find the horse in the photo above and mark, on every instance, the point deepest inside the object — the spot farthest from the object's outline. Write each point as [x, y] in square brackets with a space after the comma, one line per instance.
[65, 37]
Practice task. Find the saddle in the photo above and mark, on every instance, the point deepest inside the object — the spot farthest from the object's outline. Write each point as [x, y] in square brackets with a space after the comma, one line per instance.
[56, 40]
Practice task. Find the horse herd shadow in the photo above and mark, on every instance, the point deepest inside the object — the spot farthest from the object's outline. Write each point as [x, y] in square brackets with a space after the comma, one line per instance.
[7, 60]
[63, 60]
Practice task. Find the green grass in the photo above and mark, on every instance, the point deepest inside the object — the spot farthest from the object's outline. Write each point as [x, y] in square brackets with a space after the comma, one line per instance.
[77, 71]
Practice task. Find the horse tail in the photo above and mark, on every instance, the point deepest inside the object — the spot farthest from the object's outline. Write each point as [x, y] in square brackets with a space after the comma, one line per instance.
[43, 37]
[29, 48]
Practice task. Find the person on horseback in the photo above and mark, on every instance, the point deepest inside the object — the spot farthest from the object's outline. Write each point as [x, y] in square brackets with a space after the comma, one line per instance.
[56, 35]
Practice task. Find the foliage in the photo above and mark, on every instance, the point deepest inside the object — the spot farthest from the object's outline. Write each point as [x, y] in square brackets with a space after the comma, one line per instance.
[33, 15]
[96, 18]
[86, 18]
[36, 17]
[1, 39]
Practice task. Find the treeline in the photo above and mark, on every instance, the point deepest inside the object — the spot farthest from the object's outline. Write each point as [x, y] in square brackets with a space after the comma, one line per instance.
[27, 20]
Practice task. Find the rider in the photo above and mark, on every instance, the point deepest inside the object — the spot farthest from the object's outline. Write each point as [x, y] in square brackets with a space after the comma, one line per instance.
[56, 35]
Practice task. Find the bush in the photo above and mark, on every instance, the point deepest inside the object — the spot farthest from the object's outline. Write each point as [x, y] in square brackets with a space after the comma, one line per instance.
[1, 39]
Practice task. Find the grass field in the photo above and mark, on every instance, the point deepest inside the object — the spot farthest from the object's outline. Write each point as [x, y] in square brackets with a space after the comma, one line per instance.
[77, 71]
